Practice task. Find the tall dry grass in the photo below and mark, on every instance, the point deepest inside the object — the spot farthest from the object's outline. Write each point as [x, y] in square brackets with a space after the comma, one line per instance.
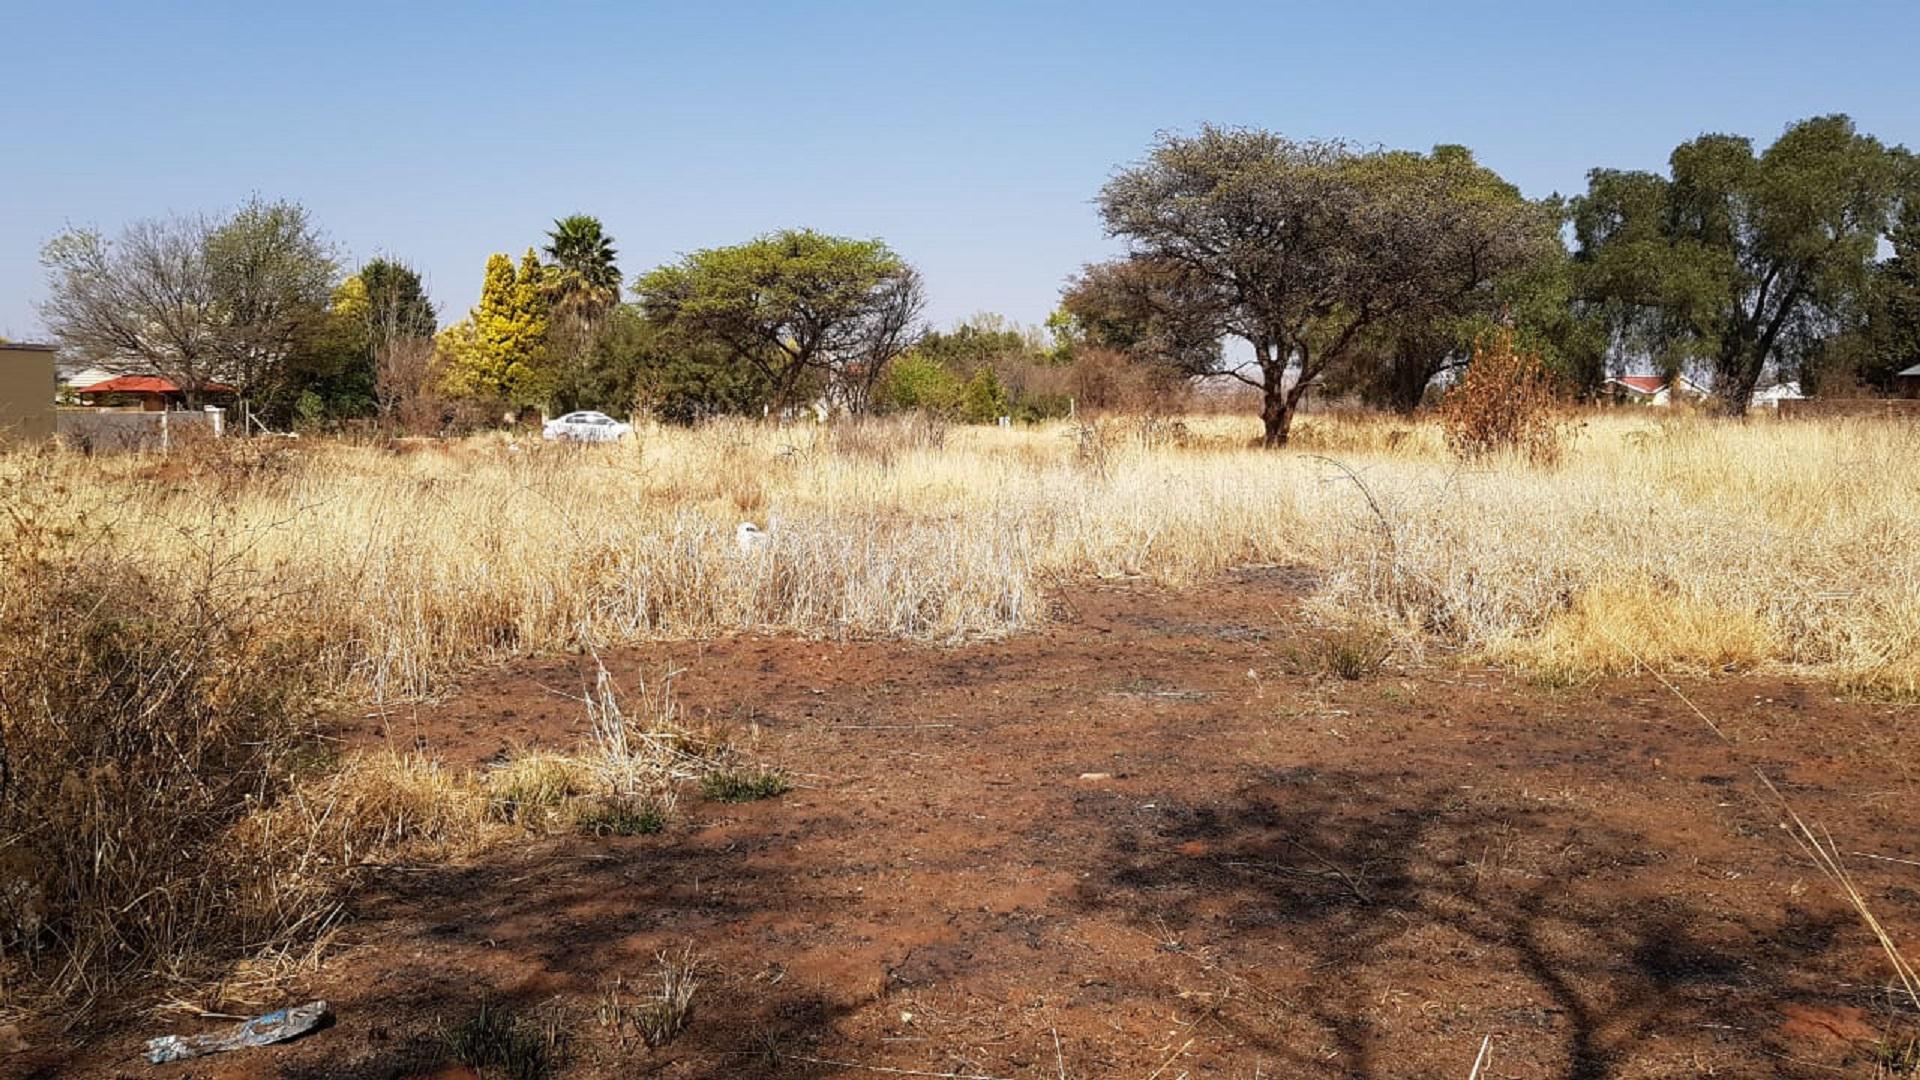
[405, 565]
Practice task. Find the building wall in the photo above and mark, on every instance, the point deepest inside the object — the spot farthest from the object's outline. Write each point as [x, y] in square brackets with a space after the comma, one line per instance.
[99, 430]
[26, 391]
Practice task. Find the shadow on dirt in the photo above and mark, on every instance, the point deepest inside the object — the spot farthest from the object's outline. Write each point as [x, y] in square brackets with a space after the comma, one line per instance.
[1322, 896]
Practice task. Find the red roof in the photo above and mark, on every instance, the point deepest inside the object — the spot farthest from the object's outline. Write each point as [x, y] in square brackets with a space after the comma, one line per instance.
[146, 384]
[1646, 384]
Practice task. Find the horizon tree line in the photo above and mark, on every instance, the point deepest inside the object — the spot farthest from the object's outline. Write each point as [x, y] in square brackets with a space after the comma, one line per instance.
[1361, 272]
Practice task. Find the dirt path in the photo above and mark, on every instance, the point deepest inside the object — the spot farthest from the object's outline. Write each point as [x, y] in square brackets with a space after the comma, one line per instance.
[1285, 874]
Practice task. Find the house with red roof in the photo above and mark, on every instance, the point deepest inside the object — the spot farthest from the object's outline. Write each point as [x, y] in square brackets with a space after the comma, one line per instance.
[1655, 390]
[152, 392]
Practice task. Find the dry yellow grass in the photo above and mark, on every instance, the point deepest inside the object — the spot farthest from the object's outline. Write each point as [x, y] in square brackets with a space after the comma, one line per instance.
[1794, 538]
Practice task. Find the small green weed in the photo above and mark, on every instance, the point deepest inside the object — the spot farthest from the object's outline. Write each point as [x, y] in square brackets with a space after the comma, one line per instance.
[496, 1042]
[743, 785]
[1897, 1057]
[615, 816]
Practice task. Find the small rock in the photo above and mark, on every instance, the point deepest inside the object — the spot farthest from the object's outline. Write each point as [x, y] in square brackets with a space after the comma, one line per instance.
[1096, 776]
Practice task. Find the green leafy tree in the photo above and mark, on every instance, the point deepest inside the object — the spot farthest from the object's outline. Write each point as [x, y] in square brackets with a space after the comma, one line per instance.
[380, 308]
[983, 399]
[1301, 250]
[1739, 261]
[793, 304]
[1891, 331]
[985, 340]
[272, 275]
[918, 382]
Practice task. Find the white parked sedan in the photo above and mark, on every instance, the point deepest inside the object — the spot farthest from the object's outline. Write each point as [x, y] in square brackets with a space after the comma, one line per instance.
[586, 427]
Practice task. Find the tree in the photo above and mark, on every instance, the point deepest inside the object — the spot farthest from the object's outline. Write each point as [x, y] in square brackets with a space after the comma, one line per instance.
[1301, 248]
[584, 281]
[499, 352]
[272, 275]
[196, 300]
[1891, 323]
[395, 303]
[345, 371]
[583, 287]
[790, 304]
[1735, 260]
[144, 298]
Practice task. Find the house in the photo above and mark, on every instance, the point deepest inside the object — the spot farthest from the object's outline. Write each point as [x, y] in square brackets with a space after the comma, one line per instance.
[1907, 383]
[153, 393]
[26, 391]
[1772, 396]
[74, 379]
[1652, 390]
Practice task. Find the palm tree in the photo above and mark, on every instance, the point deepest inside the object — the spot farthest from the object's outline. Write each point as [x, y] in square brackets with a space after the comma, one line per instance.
[584, 283]
[582, 288]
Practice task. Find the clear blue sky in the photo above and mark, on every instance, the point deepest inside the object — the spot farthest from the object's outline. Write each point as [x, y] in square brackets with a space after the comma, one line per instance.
[969, 136]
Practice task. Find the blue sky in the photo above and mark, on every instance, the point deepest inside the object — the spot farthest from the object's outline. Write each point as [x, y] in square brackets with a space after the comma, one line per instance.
[971, 137]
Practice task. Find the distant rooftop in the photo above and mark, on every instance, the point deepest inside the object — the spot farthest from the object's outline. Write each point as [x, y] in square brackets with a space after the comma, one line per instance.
[26, 346]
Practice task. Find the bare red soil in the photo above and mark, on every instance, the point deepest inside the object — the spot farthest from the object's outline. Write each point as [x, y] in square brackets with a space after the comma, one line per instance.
[1157, 840]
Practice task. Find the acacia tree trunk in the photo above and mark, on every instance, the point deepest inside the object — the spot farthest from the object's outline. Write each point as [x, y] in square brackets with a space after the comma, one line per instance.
[1277, 400]
[1276, 414]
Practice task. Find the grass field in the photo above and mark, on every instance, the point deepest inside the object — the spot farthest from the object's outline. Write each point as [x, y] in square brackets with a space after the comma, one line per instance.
[173, 628]
[1703, 544]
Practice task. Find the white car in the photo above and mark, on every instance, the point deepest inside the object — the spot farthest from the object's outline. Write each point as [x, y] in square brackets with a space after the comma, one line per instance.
[586, 427]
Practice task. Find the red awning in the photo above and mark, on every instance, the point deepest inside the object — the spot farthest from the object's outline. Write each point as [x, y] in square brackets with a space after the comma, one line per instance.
[146, 384]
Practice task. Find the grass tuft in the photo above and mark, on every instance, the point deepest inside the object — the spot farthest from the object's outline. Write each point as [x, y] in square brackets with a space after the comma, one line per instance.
[495, 1041]
[623, 816]
[657, 1014]
[743, 785]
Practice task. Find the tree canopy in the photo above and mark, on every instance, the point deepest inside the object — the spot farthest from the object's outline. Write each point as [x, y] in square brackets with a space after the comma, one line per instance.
[584, 279]
[499, 352]
[1300, 248]
[792, 304]
[197, 300]
[1735, 260]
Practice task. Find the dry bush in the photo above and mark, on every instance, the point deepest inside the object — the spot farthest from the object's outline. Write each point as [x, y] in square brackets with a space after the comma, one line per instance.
[884, 440]
[1346, 433]
[1108, 381]
[407, 378]
[143, 713]
[1504, 404]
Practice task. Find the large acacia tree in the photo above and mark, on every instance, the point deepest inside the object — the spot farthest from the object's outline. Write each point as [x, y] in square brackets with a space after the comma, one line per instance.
[1740, 261]
[1301, 249]
[794, 303]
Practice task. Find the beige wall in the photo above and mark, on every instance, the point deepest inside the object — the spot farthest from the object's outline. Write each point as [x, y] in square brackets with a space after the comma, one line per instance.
[26, 391]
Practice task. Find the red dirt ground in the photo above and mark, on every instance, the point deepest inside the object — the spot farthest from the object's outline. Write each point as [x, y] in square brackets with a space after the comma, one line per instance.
[1286, 874]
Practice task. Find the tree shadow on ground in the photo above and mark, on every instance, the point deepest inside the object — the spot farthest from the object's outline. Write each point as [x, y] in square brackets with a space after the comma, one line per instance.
[1327, 890]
